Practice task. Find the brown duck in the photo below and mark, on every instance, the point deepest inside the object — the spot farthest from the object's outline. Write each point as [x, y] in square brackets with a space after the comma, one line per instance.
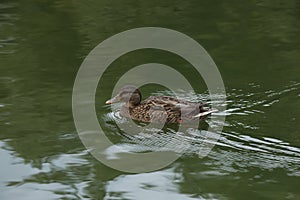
[158, 109]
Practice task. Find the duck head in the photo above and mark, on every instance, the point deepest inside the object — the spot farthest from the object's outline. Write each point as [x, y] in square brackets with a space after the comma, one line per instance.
[129, 95]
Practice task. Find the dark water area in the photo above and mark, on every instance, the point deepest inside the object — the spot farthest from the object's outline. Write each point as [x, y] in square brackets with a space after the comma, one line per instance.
[256, 46]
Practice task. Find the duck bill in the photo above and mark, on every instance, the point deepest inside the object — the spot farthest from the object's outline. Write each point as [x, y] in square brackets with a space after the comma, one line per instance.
[113, 100]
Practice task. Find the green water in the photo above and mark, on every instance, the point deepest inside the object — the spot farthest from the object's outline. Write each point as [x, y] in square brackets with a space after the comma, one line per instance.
[256, 46]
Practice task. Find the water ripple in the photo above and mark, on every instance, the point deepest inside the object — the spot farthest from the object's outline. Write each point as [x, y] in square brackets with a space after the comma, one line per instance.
[239, 149]
[7, 20]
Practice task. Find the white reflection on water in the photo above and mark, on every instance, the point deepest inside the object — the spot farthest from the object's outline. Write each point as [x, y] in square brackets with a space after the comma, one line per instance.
[13, 169]
[155, 185]
[20, 181]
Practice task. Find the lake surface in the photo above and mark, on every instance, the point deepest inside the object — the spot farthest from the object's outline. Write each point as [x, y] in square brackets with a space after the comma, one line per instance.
[256, 46]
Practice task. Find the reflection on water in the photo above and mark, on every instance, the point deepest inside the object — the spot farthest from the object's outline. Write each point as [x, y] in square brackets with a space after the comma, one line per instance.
[235, 155]
[155, 185]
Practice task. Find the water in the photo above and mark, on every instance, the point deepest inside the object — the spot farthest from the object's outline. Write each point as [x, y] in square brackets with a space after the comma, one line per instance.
[256, 46]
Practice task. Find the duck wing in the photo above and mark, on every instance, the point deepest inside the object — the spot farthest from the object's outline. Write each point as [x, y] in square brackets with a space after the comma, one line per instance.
[168, 103]
[182, 107]
[161, 107]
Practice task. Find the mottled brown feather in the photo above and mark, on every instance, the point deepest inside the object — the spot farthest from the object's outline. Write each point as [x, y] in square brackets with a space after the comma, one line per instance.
[162, 108]
[158, 109]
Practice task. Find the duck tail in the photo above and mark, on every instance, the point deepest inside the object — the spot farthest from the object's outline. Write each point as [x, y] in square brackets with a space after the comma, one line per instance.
[205, 113]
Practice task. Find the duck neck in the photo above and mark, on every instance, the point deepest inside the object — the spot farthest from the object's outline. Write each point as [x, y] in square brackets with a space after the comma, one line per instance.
[132, 105]
[127, 109]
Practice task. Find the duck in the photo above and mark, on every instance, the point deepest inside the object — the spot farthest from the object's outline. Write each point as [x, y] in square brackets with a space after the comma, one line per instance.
[158, 109]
